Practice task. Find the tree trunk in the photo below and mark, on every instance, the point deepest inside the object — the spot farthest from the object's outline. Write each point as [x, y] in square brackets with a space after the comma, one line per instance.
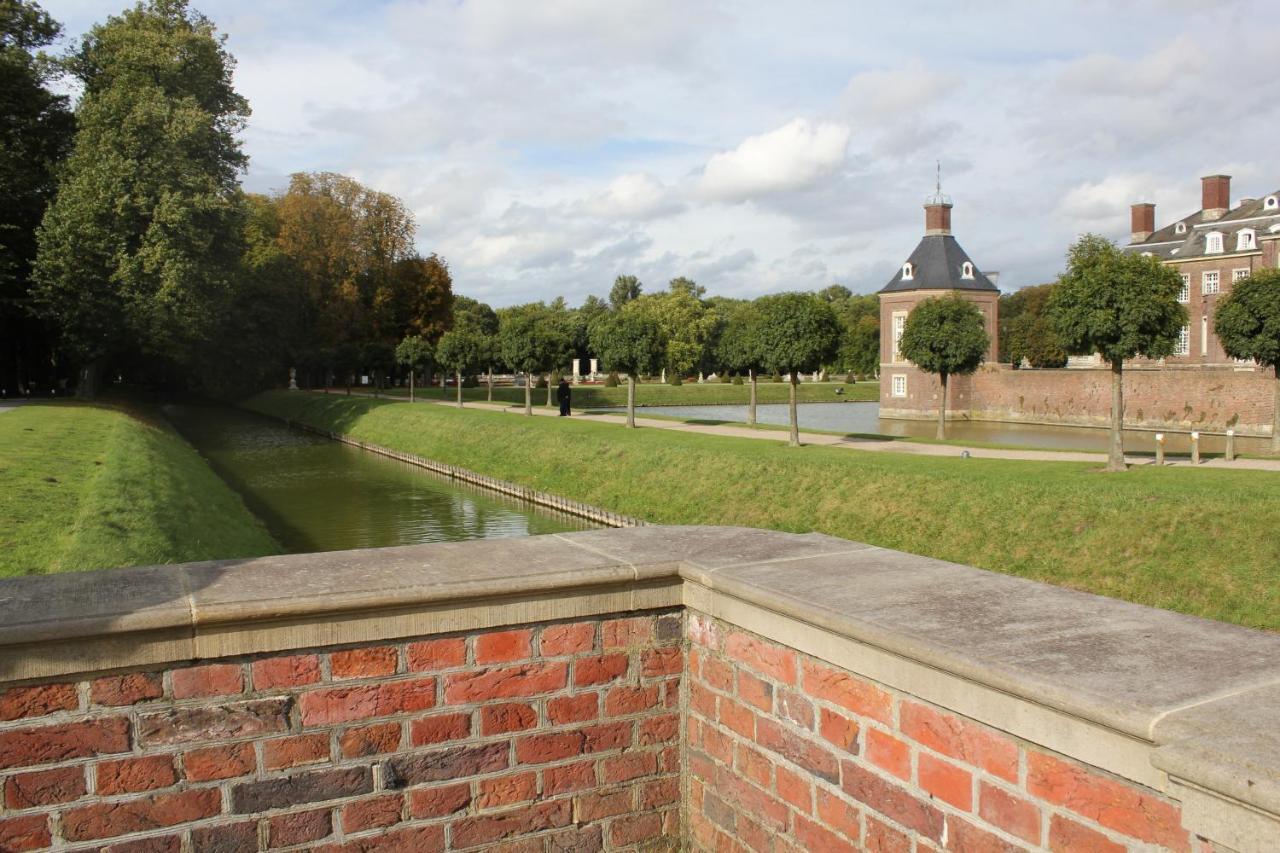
[490, 397]
[1115, 455]
[411, 372]
[1275, 417]
[528, 395]
[795, 418]
[751, 408]
[942, 409]
[631, 400]
[548, 388]
[444, 385]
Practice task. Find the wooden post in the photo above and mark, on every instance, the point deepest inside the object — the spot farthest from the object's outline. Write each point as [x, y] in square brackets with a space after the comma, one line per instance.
[1159, 448]
[1195, 448]
[1231, 445]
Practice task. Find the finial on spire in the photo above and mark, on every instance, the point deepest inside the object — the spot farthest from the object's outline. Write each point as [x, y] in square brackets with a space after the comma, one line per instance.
[938, 186]
[938, 196]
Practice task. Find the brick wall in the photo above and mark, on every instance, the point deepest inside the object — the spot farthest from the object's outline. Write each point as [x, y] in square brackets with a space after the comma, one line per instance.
[788, 754]
[558, 737]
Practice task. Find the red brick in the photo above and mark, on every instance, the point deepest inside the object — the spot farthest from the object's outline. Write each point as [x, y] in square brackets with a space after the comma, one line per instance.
[1113, 804]
[670, 760]
[28, 747]
[882, 838]
[888, 753]
[226, 837]
[598, 805]
[439, 801]
[946, 781]
[44, 788]
[963, 835]
[504, 646]
[218, 762]
[368, 662]
[839, 730]
[37, 700]
[717, 744]
[288, 671]
[775, 661]
[838, 815]
[813, 836]
[569, 777]
[416, 839]
[795, 789]
[301, 787]
[760, 804]
[573, 639]
[439, 728]
[573, 709]
[635, 829]
[443, 765]
[600, 669]
[343, 704]
[539, 749]
[1067, 836]
[737, 717]
[755, 691]
[843, 689]
[210, 722]
[103, 820]
[126, 689]
[377, 739]
[631, 765]
[702, 700]
[668, 661]
[658, 793]
[155, 844]
[507, 790]
[798, 750]
[130, 775]
[796, 708]
[1014, 815]
[663, 729]
[377, 813]
[754, 765]
[436, 654]
[528, 679]
[960, 739]
[503, 719]
[215, 679]
[703, 631]
[717, 674]
[295, 751]
[627, 699]
[891, 801]
[625, 633]
[474, 831]
[287, 830]
[24, 833]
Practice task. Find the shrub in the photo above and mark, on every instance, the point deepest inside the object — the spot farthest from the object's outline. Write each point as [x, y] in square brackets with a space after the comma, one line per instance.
[611, 381]
[726, 378]
[737, 380]
[777, 377]
[674, 379]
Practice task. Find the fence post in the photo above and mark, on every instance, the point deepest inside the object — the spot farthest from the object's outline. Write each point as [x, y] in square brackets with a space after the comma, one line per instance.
[1195, 448]
[1231, 445]
[1159, 448]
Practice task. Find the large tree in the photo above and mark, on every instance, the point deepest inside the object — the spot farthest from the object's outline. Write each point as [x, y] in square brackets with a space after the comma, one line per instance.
[625, 289]
[628, 340]
[461, 350]
[529, 344]
[1119, 305]
[1247, 321]
[483, 322]
[140, 247]
[946, 336]
[1026, 332]
[685, 322]
[797, 332]
[739, 348]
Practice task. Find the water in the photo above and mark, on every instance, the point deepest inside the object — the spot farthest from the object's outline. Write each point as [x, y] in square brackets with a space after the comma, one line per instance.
[315, 494]
[865, 418]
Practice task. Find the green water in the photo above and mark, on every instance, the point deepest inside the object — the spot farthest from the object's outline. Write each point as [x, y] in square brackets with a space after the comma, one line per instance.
[315, 494]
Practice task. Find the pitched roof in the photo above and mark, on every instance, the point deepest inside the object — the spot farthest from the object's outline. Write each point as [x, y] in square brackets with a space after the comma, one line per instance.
[937, 264]
[1169, 245]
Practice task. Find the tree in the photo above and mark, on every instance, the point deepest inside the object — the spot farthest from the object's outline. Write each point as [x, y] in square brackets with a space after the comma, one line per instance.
[686, 326]
[380, 358]
[797, 332]
[483, 321]
[1025, 329]
[739, 348]
[859, 330]
[630, 341]
[1118, 305]
[414, 352]
[528, 343]
[1247, 321]
[462, 351]
[139, 249]
[687, 285]
[945, 335]
[625, 289]
[834, 294]
[558, 331]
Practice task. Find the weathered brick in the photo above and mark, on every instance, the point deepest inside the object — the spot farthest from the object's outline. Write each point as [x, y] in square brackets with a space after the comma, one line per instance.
[838, 814]
[668, 628]
[669, 759]
[635, 829]
[702, 701]
[1067, 836]
[600, 669]
[702, 631]
[294, 751]
[507, 790]
[843, 689]
[946, 781]
[530, 679]
[888, 753]
[30, 832]
[580, 839]
[1014, 815]
[28, 747]
[795, 789]
[754, 765]
[286, 671]
[214, 679]
[667, 661]
[962, 835]
[839, 730]
[601, 804]
[44, 787]
[239, 837]
[366, 662]
[287, 830]
[814, 836]
[310, 787]
[376, 739]
[154, 844]
[752, 800]
[573, 639]
[103, 820]
[658, 793]
[717, 674]
[413, 839]
[717, 744]
[376, 813]
[507, 718]
[439, 801]
[798, 750]
[219, 762]
[663, 729]
[401, 771]
[777, 662]
[504, 646]
[737, 717]
[474, 831]
[628, 766]
[960, 739]
[436, 654]
[755, 691]
[568, 777]
[439, 728]
[573, 709]
[882, 838]
[542, 748]
[37, 700]
[796, 708]
[126, 689]
[893, 802]
[213, 722]
[344, 704]
[627, 699]
[130, 775]
[626, 633]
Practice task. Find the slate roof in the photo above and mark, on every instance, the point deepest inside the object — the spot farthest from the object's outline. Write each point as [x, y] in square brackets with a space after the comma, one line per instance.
[1169, 245]
[937, 262]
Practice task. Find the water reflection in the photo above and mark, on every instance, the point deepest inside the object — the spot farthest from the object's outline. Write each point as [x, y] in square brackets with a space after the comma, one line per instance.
[318, 495]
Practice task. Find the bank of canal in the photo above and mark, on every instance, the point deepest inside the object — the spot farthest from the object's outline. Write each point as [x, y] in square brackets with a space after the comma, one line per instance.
[315, 494]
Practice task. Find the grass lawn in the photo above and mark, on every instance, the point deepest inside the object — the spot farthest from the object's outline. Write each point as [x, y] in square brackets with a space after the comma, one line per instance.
[87, 487]
[656, 394]
[1199, 542]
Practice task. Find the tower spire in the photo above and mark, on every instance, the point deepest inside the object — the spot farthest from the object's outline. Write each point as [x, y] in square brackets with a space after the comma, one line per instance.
[938, 185]
[937, 207]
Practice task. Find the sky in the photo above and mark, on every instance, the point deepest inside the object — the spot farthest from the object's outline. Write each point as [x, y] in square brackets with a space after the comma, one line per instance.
[546, 147]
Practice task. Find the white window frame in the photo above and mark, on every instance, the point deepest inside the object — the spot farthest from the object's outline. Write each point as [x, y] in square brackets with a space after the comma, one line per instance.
[1210, 282]
[966, 270]
[908, 272]
[1239, 275]
[1184, 295]
[1183, 347]
[1204, 335]
[1246, 240]
[898, 385]
[1180, 228]
[897, 324]
[1213, 243]
[1271, 203]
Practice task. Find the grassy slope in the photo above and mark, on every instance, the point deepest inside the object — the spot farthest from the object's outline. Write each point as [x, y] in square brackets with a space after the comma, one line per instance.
[1163, 537]
[86, 487]
[655, 394]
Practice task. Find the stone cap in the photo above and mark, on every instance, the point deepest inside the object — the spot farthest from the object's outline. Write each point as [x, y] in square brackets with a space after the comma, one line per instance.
[1204, 692]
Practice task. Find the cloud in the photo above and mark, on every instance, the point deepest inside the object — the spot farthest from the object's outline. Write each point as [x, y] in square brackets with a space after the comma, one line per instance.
[902, 92]
[792, 157]
[635, 196]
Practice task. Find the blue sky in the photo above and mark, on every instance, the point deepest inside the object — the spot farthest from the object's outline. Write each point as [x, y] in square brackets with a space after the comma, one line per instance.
[755, 146]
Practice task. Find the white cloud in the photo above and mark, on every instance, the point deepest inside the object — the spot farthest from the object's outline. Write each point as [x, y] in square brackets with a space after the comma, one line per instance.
[792, 157]
[635, 196]
[901, 92]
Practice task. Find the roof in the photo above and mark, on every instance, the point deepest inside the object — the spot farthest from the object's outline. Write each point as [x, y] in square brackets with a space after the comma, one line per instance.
[937, 263]
[1167, 244]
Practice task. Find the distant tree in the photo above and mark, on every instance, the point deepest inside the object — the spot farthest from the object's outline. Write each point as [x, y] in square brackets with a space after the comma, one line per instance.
[528, 343]
[346, 361]
[1025, 330]
[628, 340]
[687, 285]
[1247, 321]
[483, 321]
[859, 331]
[427, 290]
[625, 289]
[946, 336]
[380, 358]
[1118, 305]
[558, 335]
[834, 294]
[797, 332]
[739, 348]
[414, 352]
[686, 325]
[462, 351]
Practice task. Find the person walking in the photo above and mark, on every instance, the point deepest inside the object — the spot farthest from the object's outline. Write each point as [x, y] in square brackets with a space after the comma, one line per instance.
[562, 396]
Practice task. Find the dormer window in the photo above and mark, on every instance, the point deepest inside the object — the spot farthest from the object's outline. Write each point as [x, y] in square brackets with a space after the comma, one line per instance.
[1213, 243]
[1246, 241]
[1180, 228]
[908, 272]
[1272, 203]
[966, 270]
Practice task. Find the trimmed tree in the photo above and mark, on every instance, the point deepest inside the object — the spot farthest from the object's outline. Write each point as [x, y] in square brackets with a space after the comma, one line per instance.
[1247, 321]
[628, 340]
[527, 343]
[739, 348]
[945, 336]
[797, 332]
[462, 351]
[415, 353]
[1120, 306]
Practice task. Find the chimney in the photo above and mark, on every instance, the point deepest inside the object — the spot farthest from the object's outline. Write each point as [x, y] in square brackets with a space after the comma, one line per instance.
[1215, 196]
[937, 216]
[1142, 221]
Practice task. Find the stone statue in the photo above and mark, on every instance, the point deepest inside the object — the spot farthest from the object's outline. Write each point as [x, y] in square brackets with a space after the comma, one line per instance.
[293, 379]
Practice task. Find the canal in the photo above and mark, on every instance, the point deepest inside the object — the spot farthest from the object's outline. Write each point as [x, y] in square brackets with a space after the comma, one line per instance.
[315, 494]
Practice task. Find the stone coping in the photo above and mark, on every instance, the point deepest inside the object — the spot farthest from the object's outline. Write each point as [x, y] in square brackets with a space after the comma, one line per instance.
[1199, 696]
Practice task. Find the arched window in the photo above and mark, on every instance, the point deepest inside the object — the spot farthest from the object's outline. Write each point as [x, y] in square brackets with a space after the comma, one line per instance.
[908, 272]
[1271, 203]
[1246, 241]
[966, 270]
[1213, 243]
[1180, 228]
